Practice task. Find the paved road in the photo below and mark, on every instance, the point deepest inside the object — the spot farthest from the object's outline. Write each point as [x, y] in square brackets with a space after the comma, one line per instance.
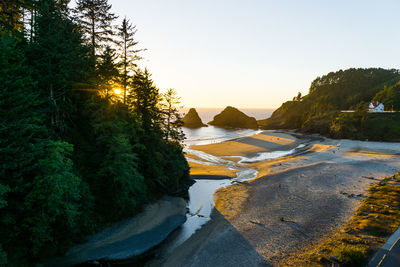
[389, 254]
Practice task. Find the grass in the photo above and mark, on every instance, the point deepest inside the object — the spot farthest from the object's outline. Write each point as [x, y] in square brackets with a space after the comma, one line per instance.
[374, 221]
[351, 255]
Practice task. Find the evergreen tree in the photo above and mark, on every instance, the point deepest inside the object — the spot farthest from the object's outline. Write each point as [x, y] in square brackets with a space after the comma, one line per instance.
[107, 71]
[144, 99]
[55, 129]
[126, 33]
[173, 119]
[390, 97]
[59, 59]
[52, 205]
[11, 15]
[21, 133]
[4, 189]
[32, 218]
[118, 185]
[95, 19]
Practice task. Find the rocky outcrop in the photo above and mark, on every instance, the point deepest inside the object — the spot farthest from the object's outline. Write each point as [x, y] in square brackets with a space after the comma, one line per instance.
[232, 117]
[192, 119]
[132, 237]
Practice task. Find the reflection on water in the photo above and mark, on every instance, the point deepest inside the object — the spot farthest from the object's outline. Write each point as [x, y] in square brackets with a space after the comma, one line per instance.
[263, 156]
[211, 134]
[201, 201]
[200, 206]
[207, 114]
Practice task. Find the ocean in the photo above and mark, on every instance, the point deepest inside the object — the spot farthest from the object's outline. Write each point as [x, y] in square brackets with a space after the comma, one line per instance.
[207, 114]
[211, 134]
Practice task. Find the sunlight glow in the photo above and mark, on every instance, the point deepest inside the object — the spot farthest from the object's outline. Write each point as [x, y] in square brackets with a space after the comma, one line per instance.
[117, 91]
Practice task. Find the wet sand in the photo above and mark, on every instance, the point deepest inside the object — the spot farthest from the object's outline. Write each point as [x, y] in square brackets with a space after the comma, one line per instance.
[295, 201]
[249, 146]
[198, 170]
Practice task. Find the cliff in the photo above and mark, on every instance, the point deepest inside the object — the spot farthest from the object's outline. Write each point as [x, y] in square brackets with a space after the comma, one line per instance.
[320, 111]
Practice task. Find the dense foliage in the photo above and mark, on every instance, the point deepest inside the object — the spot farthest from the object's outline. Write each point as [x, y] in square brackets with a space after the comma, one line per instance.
[74, 156]
[321, 110]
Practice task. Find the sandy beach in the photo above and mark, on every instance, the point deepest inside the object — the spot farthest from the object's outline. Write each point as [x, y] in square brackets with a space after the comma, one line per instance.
[294, 202]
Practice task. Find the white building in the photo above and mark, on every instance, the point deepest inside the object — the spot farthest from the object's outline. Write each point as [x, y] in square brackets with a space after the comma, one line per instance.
[376, 107]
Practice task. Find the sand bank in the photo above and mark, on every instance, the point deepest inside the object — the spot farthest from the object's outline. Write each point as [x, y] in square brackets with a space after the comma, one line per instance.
[249, 146]
[198, 170]
[298, 200]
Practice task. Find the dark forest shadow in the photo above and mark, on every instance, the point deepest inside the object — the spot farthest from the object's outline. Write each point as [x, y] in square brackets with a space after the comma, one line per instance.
[217, 243]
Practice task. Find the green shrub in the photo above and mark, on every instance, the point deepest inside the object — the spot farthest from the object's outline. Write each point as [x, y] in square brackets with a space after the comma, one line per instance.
[351, 255]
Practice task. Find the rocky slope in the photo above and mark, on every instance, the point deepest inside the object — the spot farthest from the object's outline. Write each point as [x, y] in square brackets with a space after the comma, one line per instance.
[192, 119]
[232, 117]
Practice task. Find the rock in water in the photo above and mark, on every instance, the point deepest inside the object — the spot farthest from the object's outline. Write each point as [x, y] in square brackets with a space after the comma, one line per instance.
[232, 117]
[192, 119]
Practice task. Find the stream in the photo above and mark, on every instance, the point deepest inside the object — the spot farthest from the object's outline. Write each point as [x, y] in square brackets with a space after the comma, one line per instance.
[201, 194]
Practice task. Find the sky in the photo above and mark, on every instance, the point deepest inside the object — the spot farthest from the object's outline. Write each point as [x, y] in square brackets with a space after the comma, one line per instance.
[259, 53]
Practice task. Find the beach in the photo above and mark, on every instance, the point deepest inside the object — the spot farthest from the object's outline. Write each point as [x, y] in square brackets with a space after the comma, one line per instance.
[304, 188]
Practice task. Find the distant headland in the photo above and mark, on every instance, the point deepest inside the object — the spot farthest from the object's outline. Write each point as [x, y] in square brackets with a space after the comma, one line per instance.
[338, 106]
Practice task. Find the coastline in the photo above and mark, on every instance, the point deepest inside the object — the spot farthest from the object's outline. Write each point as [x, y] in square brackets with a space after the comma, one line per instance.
[309, 189]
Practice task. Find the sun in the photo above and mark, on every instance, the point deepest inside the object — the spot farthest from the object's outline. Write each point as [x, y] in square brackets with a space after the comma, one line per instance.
[117, 91]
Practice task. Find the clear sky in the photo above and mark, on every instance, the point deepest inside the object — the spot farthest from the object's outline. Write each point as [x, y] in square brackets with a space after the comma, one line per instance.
[259, 53]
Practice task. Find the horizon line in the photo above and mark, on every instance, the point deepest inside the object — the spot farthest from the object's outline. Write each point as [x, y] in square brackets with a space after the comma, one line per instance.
[225, 107]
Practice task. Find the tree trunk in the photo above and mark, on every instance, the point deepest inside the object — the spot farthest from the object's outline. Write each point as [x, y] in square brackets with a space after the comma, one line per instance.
[125, 69]
[93, 36]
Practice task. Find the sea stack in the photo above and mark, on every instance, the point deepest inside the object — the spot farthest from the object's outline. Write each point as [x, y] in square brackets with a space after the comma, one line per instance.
[192, 119]
[232, 117]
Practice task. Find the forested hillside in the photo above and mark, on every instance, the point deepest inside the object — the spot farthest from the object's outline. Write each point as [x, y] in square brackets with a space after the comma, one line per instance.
[86, 137]
[353, 89]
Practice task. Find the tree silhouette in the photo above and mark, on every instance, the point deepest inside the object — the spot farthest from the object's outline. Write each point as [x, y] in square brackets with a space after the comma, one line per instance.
[126, 42]
[95, 19]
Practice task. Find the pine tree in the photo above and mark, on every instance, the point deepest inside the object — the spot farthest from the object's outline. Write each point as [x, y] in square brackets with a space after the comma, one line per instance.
[144, 99]
[21, 132]
[60, 61]
[126, 33]
[95, 19]
[118, 184]
[28, 223]
[173, 119]
[107, 71]
[54, 130]
[52, 205]
[11, 15]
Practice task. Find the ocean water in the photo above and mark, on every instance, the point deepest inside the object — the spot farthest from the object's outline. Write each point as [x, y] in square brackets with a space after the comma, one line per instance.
[207, 114]
[211, 134]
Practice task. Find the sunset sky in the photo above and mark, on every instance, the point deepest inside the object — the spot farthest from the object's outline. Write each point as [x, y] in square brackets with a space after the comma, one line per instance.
[258, 54]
